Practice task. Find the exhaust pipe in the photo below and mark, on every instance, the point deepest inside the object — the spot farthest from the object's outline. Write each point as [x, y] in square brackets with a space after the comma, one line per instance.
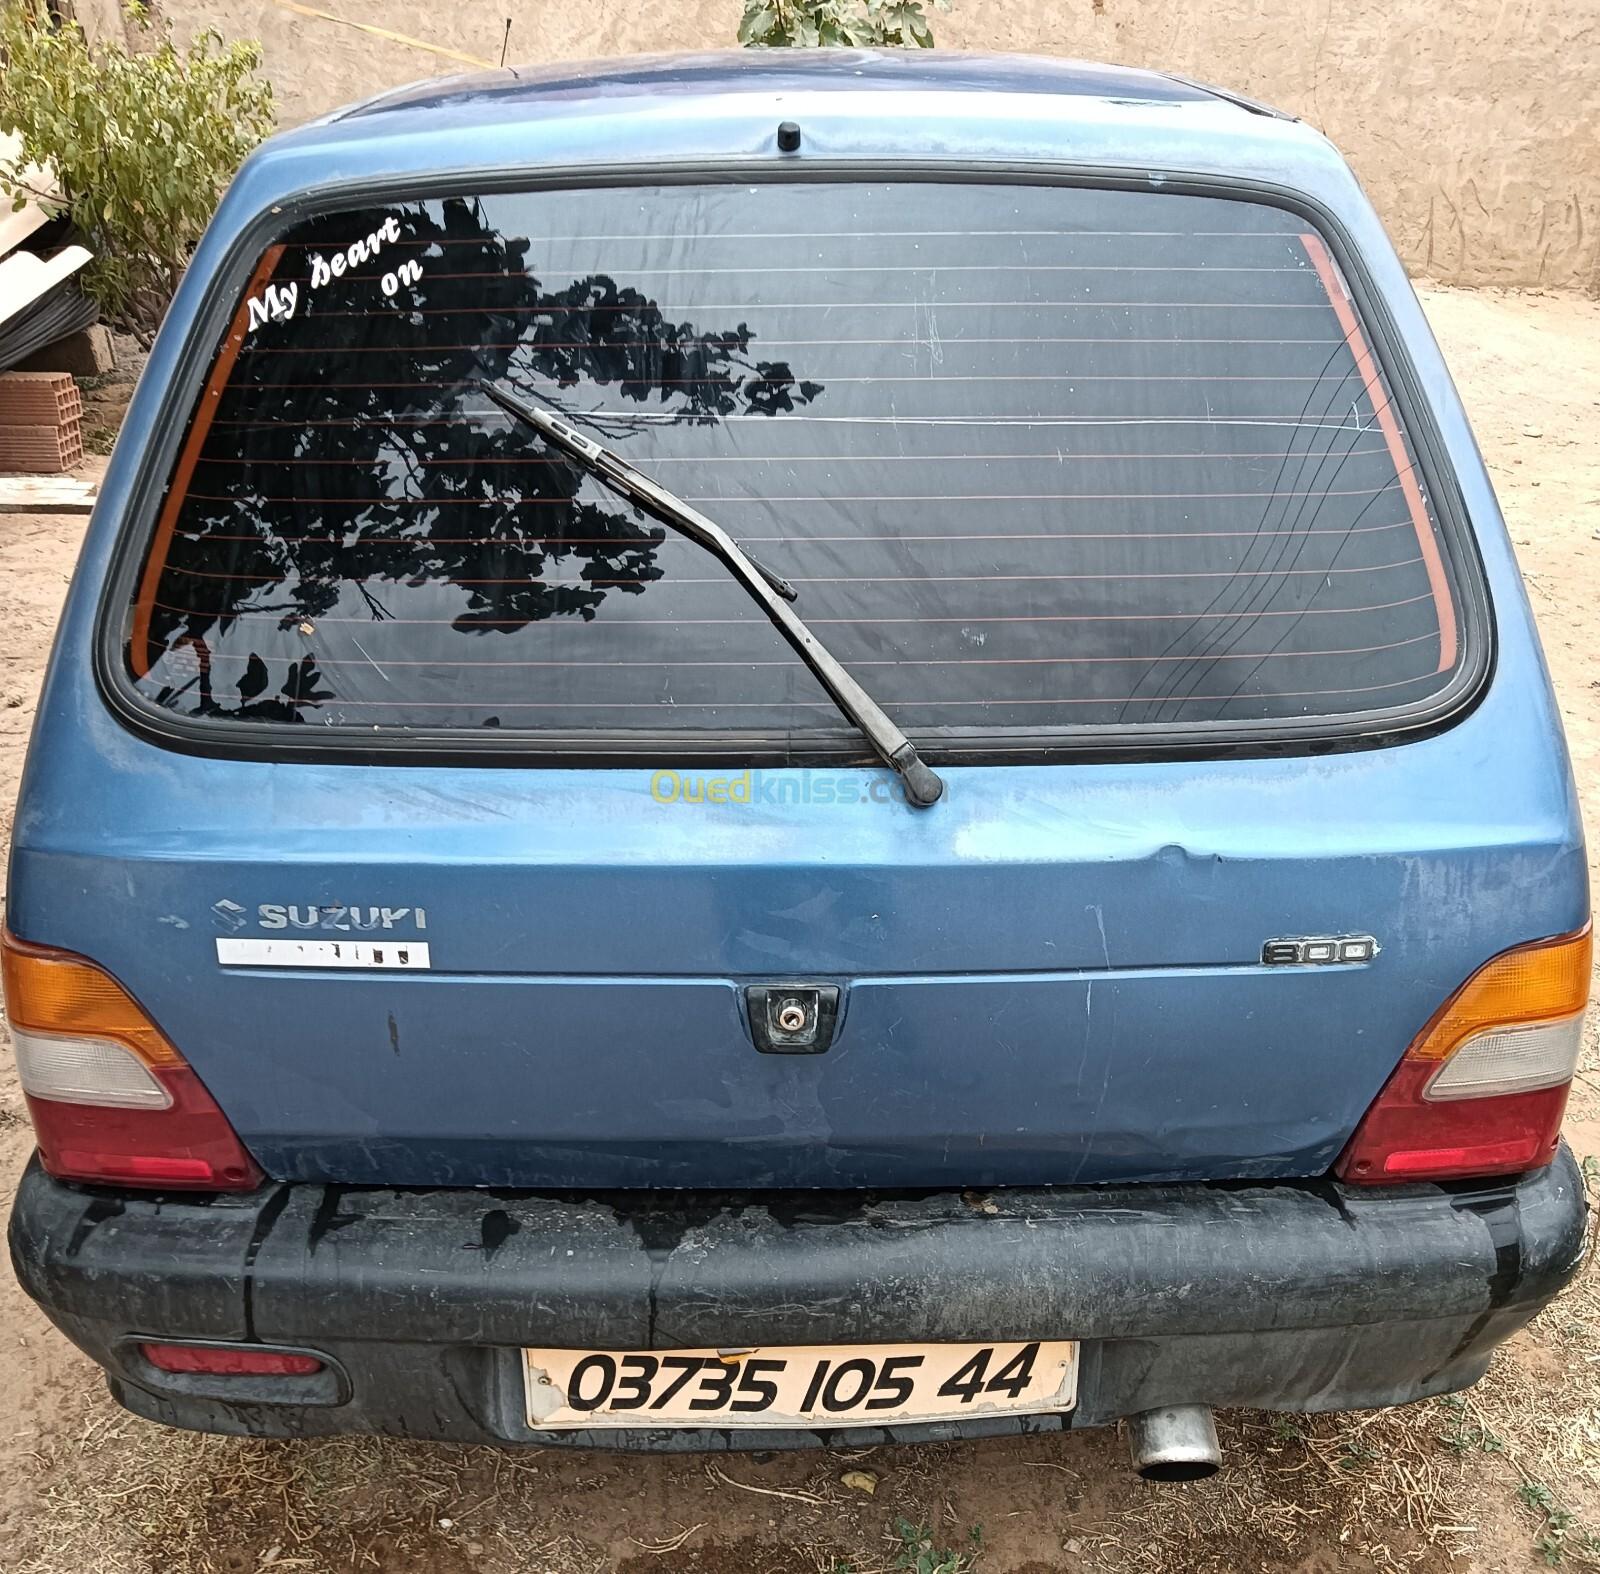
[1176, 1443]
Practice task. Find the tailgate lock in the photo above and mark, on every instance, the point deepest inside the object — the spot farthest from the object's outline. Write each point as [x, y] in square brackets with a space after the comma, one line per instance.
[792, 1019]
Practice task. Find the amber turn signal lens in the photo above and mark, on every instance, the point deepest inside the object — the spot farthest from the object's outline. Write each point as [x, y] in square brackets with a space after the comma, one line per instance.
[56, 992]
[1535, 983]
[112, 1100]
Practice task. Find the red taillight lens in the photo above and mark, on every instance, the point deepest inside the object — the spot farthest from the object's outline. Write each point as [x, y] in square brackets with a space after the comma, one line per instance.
[111, 1100]
[228, 1360]
[1483, 1088]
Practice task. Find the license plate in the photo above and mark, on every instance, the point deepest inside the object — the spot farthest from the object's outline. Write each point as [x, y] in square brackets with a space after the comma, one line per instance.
[798, 1385]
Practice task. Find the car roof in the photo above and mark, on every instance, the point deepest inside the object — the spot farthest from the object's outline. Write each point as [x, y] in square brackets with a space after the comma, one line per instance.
[862, 114]
[883, 107]
[717, 72]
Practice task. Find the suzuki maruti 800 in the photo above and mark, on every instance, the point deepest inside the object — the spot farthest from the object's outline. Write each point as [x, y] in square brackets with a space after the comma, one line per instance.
[752, 749]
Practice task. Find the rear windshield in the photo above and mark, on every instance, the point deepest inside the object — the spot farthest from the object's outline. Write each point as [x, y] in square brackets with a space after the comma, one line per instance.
[1037, 459]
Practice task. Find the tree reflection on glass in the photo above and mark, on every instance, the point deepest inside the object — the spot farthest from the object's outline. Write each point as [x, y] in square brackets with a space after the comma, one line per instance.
[352, 451]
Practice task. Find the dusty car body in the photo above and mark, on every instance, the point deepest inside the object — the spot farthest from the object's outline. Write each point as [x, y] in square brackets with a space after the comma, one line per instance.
[569, 1028]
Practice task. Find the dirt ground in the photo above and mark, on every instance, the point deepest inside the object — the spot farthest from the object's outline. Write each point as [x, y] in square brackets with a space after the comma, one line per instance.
[1504, 1478]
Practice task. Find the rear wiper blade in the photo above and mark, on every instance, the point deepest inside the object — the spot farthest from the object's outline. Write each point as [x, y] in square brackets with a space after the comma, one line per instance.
[771, 591]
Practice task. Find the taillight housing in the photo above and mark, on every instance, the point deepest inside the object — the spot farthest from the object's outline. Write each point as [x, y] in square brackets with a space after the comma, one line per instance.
[1482, 1089]
[112, 1101]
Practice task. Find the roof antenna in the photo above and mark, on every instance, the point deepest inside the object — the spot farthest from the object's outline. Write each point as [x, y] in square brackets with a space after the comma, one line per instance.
[505, 44]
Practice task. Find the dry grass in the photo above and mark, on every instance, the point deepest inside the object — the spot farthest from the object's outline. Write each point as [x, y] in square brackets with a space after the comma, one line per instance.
[123, 1495]
[1398, 1490]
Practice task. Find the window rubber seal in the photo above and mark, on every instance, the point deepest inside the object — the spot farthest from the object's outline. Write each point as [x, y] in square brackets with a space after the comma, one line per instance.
[939, 746]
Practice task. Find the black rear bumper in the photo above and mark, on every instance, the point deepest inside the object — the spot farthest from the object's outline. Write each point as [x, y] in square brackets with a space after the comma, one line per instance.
[1285, 1296]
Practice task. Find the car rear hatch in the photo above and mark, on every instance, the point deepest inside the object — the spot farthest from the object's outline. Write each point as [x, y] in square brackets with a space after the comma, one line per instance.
[453, 808]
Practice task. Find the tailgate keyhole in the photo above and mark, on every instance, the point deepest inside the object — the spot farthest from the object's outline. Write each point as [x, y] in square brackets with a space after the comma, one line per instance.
[792, 1019]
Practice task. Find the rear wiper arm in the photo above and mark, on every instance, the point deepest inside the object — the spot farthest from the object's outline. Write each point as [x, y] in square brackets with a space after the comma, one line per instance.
[771, 591]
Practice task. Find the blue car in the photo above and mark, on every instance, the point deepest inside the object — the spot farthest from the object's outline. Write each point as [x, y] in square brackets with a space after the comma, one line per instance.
[761, 749]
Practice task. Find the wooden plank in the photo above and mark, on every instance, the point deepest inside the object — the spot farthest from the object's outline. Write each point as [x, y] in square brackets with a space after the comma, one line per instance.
[21, 494]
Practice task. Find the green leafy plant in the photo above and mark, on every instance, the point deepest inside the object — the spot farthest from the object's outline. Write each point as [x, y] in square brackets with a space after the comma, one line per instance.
[920, 1554]
[1463, 1435]
[1552, 1545]
[1354, 1454]
[1561, 1536]
[140, 143]
[858, 24]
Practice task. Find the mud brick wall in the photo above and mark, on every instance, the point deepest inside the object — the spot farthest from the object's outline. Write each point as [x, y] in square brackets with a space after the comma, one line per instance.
[1475, 126]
